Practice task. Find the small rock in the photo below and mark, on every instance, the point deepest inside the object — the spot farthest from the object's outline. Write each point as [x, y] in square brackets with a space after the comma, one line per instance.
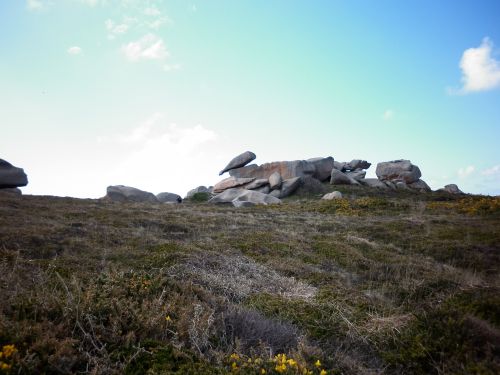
[357, 164]
[373, 182]
[420, 185]
[199, 189]
[332, 195]
[452, 189]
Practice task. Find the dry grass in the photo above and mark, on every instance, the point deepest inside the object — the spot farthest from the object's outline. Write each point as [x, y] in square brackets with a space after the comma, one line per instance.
[376, 283]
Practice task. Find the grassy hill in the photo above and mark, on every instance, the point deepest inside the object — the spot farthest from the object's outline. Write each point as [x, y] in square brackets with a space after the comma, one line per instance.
[378, 282]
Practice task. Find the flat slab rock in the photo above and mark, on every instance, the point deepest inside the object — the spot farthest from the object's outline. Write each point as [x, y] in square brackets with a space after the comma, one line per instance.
[231, 182]
[286, 169]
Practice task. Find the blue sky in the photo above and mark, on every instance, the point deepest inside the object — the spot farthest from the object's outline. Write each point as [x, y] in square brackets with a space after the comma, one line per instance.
[161, 94]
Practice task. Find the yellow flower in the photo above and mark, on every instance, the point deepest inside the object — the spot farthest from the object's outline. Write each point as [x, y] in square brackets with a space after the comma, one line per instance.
[280, 368]
[262, 370]
[5, 366]
[8, 350]
[322, 372]
[317, 363]
[168, 318]
[234, 356]
[292, 362]
[234, 366]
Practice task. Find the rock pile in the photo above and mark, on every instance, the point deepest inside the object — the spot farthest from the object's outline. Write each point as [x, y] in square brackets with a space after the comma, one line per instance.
[11, 177]
[121, 193]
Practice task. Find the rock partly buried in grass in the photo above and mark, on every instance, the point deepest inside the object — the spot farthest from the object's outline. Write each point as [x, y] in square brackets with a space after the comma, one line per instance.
[452, 189]
[199, 189]
[230, 182]
[10, 176]
[168, 197]
[339, 178]
[420, 185]
[244, 195]
[121, 193]
[11, 191]
[374, 182]
[398, 170]
[239, 161]
[332, 195]
[322, 167]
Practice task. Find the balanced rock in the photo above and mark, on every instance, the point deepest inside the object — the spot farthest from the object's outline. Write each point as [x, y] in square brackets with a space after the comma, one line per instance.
[239, 161]
[398, 170]
[169, 198]
[452, 189]
[199, 189]
[231, 182]
[275, 181]
[121, 193]
[357, 164]
[287, 169]
[10, 176]
[340, 178]
[332, 195]
[322, 167]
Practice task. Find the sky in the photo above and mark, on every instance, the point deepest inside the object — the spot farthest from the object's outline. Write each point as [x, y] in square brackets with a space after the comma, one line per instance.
[160, 95]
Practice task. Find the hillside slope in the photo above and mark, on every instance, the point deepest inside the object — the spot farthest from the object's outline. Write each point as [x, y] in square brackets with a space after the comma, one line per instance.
[373, 283]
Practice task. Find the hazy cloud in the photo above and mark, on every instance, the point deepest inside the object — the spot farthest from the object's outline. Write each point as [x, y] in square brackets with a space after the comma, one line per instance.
[495, 170]
[75, 50]
[466, 172]
[34, 4]
[149, 47]
[480, 70]
[388, 115]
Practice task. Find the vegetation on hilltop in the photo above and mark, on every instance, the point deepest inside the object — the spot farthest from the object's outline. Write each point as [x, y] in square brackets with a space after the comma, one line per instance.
[378, 282]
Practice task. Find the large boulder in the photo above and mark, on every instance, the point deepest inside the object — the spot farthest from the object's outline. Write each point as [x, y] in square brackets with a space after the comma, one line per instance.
[169, 198]
[322, 167]
[340, 178]
[452, 189]
[199, 189]
[10, 176]
[340, 165]
[398, 170]
[231, 182]
[287, 169]
[121, 193]
[275, 181]
[239, 161]
[244, 195]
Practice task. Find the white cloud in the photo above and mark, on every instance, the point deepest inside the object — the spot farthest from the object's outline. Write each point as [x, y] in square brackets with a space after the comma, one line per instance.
[149, 47]
[115, 29]
[160, 156]
[171, 67]
[152, 11]
[388, 115]
[34, 4]
[495, 170]
[75, 50]
[466, 172]
[480, 70]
